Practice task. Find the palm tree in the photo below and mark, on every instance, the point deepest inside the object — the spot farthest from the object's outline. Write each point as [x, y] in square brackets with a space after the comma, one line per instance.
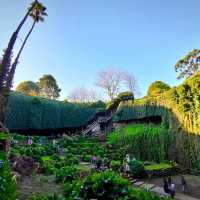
[37, 12]
[5, 62]
[7, 70]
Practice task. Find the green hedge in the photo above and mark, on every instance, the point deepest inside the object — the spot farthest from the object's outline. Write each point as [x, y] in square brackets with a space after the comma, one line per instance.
[26, 112]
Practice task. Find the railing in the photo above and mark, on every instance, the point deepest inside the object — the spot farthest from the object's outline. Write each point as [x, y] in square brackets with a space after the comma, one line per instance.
[90, 127]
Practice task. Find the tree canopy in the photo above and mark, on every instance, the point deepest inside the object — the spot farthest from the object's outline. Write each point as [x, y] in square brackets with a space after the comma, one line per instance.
[157, 87]
[189, 64]
[28, 88]
[48, 87]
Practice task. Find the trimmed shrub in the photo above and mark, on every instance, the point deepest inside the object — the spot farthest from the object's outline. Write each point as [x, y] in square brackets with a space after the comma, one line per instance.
[26, 112]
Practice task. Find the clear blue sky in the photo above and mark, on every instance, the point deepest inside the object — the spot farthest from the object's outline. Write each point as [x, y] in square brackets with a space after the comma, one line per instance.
[81, 37]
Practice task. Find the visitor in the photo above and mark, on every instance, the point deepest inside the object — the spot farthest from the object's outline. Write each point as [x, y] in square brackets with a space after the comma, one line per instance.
[183, 183]
[172, 190]
[98, 164]
[169, 180]
[94, 159]
[165, 186]
[30, 141]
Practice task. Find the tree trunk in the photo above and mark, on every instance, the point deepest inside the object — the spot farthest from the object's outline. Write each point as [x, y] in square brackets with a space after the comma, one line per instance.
[8, 51]
[3, 102]
[14, 65]
[4, 95]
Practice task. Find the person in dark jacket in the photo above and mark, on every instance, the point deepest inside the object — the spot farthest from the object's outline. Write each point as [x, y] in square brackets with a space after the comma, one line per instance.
[165, 185]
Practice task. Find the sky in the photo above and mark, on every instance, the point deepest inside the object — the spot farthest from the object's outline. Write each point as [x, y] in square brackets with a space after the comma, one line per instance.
[81, 37]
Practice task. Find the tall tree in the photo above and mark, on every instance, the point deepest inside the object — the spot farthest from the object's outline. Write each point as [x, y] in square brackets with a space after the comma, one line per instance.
[7, 68]
[28, 88]
[48, 87]
[37, 12]
[130, 81]
[110, 80]
[189, 64]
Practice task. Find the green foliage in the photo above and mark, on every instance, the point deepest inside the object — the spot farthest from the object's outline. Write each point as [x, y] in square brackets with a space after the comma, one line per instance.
[179, 108]
[115, 165]
[125, 96]
[4, 136]
[38, 113]
[28, 88]
[157, 88]
[7, 183]
[189, 64]
[46, 197]
[136, 168]
[160, 166]
[66, 174]
[49, 87]
[106, 185]
[143, 141]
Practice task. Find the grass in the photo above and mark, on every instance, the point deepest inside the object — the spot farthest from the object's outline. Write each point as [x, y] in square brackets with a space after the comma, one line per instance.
[160, 166]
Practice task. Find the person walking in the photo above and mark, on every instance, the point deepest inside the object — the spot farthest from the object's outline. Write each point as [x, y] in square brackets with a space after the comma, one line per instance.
[165, 185]
[94, 159]
[183, 183]
[172, 190]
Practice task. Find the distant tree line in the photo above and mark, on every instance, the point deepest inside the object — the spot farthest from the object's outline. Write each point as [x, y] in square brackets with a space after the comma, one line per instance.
[46, 87]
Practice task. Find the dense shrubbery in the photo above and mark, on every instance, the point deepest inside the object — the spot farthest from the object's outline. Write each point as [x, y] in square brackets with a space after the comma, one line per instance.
[136, 168]
[143, 141]
[66, 174]
[179, 108]
[25, 112]
[106, 185]
[7, 183]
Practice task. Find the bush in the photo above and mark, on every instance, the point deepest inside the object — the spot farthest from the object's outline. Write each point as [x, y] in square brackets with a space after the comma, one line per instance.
[115, 165]
[126, 96]
[7, 183]
[66, 174]
[136, 168]
[106, 185]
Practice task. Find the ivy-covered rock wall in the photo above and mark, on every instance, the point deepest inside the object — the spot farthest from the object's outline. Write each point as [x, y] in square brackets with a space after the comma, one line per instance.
[179, 108]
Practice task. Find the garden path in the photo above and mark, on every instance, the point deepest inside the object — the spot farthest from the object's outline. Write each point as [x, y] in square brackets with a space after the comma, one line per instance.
[159, 190]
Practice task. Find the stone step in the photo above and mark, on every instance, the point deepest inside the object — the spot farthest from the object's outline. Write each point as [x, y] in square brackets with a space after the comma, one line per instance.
[138, 183]
[133, 180]
[148, 186]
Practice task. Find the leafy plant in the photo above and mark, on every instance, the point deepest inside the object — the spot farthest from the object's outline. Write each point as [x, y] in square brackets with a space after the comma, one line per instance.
[136, 168]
